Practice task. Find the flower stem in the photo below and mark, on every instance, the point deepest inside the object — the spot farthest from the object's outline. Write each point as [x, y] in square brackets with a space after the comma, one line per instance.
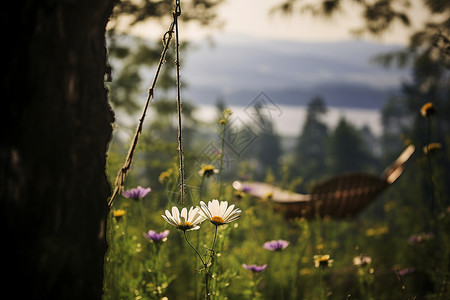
[323, 293]
[201, 188]
[430, 168]
[212, 253]
[207, 295]
[221, 162]
[214, 241]
[198, 254]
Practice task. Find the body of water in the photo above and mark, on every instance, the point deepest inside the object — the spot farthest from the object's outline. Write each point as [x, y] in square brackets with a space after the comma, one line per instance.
[289, 120]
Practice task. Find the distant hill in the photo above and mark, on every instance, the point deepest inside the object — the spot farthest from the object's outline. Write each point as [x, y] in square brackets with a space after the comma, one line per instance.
[335, 95]
[237, 69]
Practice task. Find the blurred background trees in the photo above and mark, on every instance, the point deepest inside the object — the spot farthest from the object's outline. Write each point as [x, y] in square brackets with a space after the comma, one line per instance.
[310, 153]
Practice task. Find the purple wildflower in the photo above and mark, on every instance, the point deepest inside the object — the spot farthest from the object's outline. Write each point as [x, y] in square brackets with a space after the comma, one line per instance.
[246, 189]
[157, 237]
[255, 268]
[418, 238]
[276, 245]
[136, 193]
[405, 271]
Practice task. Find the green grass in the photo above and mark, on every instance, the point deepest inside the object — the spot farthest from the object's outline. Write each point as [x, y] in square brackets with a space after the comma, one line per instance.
[139, 269]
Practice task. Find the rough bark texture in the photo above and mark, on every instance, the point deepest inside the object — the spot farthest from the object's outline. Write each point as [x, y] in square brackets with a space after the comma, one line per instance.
[53, 186]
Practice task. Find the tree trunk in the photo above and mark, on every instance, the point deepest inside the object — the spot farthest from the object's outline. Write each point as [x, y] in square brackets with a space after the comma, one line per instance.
[53, 186]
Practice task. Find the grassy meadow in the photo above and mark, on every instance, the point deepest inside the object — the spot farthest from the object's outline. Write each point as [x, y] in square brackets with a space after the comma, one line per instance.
[396, 248]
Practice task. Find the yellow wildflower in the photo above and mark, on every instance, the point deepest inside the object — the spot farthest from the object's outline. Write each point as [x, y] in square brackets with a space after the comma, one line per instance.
[225, 116]
[427, 109]
[432, 148]
[163, 177]
[207, 170]
[323, 261]
[118, 213]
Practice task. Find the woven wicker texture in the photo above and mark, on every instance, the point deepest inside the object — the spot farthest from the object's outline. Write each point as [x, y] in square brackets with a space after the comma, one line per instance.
[342, 196]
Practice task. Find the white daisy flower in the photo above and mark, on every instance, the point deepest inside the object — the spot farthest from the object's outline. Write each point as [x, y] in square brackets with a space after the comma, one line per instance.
[186, 220]
[219, 214]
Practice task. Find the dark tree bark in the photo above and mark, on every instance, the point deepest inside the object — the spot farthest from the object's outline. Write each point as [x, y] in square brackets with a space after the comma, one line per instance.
[53, 186]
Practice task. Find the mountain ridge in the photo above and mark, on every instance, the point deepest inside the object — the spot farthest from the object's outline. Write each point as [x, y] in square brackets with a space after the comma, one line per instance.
[334, 95]
[235, 70]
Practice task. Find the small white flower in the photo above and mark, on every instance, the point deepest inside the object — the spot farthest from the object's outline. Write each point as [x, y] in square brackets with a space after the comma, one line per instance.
[219, 214]
[362, 260]
[186, 220]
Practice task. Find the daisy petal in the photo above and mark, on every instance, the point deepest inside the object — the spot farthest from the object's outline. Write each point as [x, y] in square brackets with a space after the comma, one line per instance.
[184, 213]
[233, 216]
[214, 207]
[176, 214]
[222, 208]
[169, 220]
[233, 219]
[228, 212]
[193, 214]
[205, 210]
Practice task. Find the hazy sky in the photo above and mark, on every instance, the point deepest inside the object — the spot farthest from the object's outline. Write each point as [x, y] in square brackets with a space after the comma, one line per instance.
[252, 18]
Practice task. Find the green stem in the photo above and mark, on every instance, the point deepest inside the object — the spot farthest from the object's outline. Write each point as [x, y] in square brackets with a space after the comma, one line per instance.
[221, 162]
[157, 268]
[430, 165]
[323, 293]
[197, 281]
[214, 241]
[212, 254]
[207, 295]
[141, 207]
[201, 188]
[198, 254]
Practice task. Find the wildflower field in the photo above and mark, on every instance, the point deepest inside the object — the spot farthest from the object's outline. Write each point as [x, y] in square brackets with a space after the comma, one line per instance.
[242, 247]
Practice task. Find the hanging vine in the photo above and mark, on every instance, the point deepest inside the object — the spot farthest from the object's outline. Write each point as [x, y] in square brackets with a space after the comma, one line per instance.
[123, 171]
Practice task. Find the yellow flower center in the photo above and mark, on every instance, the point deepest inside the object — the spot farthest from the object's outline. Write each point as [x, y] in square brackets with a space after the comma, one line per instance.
[217, 220]
[185, 226]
